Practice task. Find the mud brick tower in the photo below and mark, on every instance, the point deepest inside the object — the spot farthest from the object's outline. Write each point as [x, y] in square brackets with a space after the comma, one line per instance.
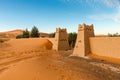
[61, 39]
[82, 46]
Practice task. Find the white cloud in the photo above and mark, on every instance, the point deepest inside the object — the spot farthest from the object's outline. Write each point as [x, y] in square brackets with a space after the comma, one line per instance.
[100, 17]
[117, 16]
[114, 17]
[108, 3]
[111, 3]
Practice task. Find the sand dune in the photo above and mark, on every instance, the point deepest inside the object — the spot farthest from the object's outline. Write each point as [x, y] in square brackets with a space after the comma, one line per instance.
[14, 33]
[22, 45]
[10, 34]
[29, 44]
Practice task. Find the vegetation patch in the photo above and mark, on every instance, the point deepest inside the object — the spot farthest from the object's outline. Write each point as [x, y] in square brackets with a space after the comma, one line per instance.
[72, 39]
[114, 35]
[26, 34]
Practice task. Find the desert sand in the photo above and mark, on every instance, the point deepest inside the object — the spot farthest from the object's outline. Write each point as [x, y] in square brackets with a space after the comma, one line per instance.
[34, 59]
[11, 34]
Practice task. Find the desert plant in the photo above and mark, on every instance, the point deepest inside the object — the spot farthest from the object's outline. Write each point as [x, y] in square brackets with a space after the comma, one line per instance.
[19, 36]
[26, 34]
[52, 35]
[34, 32]
[114, 35]
[72, 39]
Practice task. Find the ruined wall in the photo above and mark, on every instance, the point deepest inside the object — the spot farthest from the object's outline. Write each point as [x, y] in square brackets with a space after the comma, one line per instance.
[105, 46]
[61, 40]
[82, 46]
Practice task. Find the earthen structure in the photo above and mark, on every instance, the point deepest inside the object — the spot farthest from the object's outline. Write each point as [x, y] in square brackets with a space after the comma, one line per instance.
[105, 46]
[61, 39]
[82, 46]
[87, 43]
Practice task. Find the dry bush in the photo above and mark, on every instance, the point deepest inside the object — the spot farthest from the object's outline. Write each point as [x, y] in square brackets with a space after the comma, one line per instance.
[2, 40]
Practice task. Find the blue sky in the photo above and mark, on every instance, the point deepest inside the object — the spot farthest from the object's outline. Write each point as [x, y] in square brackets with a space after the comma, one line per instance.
[49, 14]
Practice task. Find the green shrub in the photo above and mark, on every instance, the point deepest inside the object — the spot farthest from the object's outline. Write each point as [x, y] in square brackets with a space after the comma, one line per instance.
[26, 34]
[19, 36]
[114, 35]
[52, 35]
[34, 32]
[72, 39]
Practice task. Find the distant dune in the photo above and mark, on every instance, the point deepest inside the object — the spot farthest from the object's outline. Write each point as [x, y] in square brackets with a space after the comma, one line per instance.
[14, 33]
[10, 34]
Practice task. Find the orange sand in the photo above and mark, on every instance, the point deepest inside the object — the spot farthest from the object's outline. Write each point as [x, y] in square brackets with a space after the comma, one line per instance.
[10, 34]
[30, 70]
[30, 59]
[109, 59]
[30, 44]
[33, 59]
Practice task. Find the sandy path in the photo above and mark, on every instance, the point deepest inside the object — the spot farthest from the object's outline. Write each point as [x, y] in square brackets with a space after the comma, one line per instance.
[35, 66]
[47, 65]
